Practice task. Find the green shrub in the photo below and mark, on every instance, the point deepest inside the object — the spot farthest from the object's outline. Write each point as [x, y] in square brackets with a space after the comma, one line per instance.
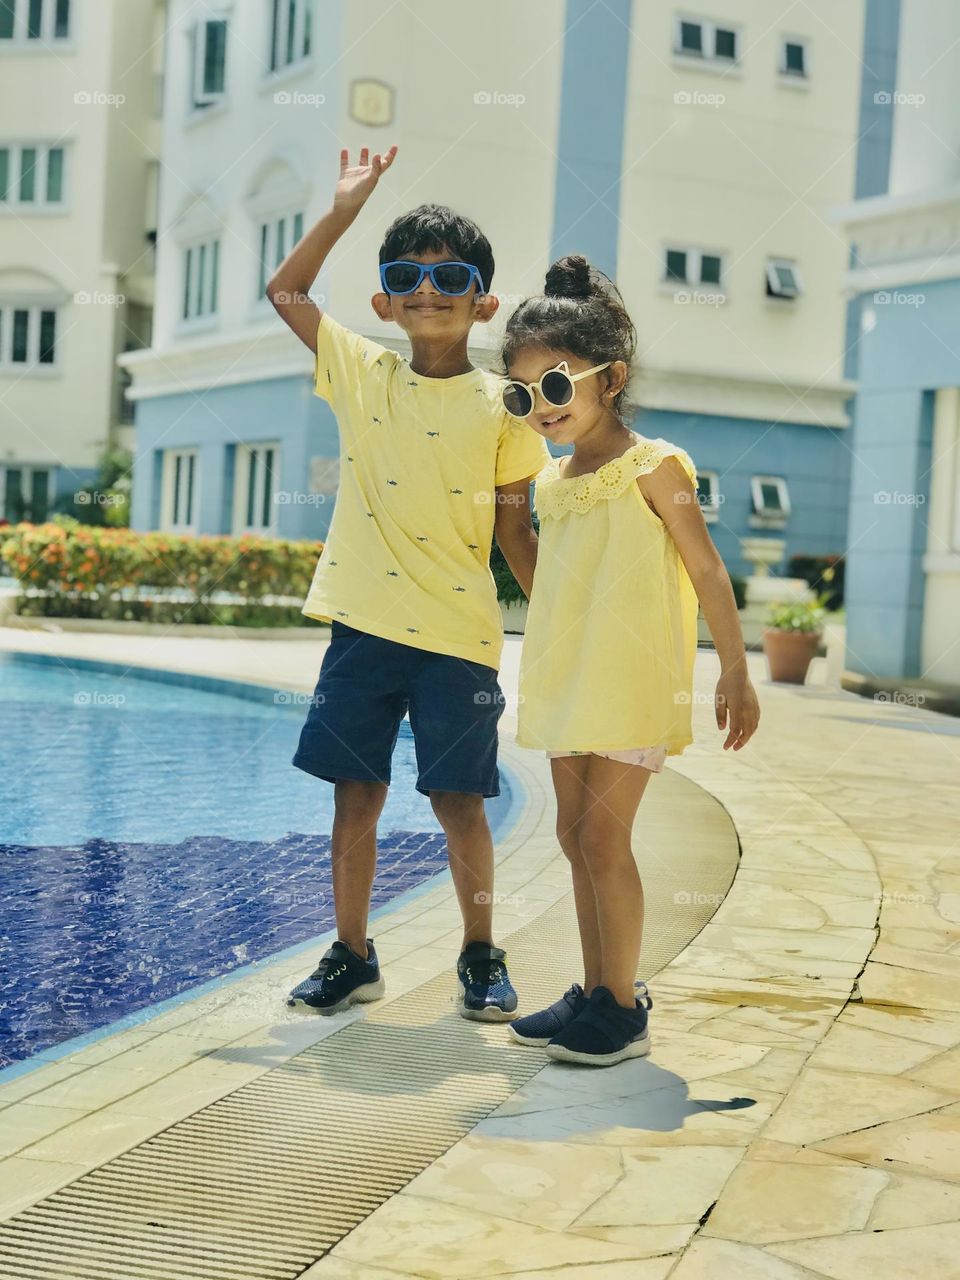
[67, 569]
[797, 616]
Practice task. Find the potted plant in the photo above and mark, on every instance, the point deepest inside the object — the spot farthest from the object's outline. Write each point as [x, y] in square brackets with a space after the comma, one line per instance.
[791, 639]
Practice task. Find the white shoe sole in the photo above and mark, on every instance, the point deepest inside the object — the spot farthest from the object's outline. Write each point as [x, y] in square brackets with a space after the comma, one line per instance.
[538, 1042]
[359, 995]
[490, 1014]
[638, 1048]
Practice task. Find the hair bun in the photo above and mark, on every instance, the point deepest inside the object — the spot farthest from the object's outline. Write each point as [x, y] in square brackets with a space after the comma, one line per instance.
[571, 277]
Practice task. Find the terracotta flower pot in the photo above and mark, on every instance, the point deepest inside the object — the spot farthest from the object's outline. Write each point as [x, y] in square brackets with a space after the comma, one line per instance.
[789, 653]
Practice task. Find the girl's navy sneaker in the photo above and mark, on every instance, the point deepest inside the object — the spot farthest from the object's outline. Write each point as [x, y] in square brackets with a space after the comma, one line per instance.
[540, 1027]
[486, 992]
[342, 978]
[604, 1033]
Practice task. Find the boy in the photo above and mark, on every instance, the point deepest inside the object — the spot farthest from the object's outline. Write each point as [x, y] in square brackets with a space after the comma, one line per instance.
[430, 465]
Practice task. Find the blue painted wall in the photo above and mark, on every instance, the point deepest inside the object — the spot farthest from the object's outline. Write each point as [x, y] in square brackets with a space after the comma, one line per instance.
[281, 409]
[906, 354]
[593, 108]
[815, 461]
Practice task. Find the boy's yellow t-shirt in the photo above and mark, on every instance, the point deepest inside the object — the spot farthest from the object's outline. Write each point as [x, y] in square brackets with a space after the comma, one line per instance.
[407, 554]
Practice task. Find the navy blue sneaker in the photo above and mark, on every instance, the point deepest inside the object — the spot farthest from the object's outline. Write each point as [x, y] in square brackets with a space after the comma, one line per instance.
[342, 978]
[605, 1033]
[486, 992]
[540, 1028]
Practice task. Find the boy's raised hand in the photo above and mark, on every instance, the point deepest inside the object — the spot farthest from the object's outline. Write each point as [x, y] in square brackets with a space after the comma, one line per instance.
[358, 181]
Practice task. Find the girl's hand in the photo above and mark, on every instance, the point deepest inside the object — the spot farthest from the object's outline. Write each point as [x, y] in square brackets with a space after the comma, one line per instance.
[737, 708]
[358, 181]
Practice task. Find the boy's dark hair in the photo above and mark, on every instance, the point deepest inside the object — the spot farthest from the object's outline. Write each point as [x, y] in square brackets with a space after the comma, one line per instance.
[433, 228]
[581, 311]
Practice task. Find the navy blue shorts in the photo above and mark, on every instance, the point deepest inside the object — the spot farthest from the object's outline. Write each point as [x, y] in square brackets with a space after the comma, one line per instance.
[367, 685]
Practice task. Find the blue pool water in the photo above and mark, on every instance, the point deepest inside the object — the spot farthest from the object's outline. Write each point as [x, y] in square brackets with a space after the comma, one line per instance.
[154, 835]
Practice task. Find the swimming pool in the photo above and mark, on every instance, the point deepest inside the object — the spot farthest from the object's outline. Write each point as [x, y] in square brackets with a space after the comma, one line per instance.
[154, 835]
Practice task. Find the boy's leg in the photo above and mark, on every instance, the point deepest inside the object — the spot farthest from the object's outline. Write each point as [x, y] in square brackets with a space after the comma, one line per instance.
[358, 806]
[470, 851]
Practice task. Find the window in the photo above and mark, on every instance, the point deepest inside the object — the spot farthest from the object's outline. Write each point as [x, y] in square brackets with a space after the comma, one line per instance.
[277, 238]
[28, 336]
[31, 176]
[771, 502]
[209, 62]
[783, 279]
[692, 266]
[178, 501]
[255, 475]
[291, 32]
[201, 269]
[25, 493]
[35, 22]
[705, 41]
[793, 59]
[708, 494]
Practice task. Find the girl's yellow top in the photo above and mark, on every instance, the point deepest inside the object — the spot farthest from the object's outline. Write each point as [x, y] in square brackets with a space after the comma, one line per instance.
[611, 631]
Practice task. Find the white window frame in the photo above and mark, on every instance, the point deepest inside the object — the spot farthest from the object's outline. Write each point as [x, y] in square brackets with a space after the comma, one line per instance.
[693, 278]
[20, 41]
[201, 98]
[768, 517]
[250, 456]
[40, 204]
[794, 77]
[190, 483]
[708, 57]
[273, 234]
[710, 509]
[26, 469]
[33, 308]
[278, 32]
[199, 302]
[776, 290]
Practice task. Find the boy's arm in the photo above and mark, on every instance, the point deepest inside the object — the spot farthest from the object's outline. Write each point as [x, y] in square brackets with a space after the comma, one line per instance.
[514, 531]
[290, 284]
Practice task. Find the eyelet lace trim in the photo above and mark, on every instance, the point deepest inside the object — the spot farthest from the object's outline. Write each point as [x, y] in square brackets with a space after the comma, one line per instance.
[556, 496]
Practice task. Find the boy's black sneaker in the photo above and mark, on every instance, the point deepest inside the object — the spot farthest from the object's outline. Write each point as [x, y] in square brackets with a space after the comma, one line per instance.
[540, 1027]
[486, 992]
[342, 978]
[604, 1032]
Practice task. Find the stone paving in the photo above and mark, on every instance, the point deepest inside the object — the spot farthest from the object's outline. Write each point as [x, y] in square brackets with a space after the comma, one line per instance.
[799, 1114]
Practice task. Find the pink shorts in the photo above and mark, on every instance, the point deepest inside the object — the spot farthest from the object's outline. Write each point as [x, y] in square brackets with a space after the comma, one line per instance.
[651, 758]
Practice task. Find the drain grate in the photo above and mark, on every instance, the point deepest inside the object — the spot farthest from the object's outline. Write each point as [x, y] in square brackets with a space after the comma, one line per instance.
[261, 1183]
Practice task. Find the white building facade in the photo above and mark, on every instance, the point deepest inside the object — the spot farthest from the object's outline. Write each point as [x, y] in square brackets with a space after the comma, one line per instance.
[79, 149]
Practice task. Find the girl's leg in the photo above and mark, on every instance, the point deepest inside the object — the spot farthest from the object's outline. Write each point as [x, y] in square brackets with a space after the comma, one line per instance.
[569, 781]
[611, 795]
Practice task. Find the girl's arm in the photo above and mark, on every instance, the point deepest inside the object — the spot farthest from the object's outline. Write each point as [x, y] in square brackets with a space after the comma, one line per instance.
[674, 498]
[290, 284]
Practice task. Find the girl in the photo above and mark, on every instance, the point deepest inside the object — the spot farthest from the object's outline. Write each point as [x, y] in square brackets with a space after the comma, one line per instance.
[606, 675]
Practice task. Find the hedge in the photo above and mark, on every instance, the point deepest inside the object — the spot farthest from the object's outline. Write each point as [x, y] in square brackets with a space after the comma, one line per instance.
[66, 569]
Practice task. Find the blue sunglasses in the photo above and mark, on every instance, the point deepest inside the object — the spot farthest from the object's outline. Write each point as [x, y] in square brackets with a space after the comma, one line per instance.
[450, 278]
